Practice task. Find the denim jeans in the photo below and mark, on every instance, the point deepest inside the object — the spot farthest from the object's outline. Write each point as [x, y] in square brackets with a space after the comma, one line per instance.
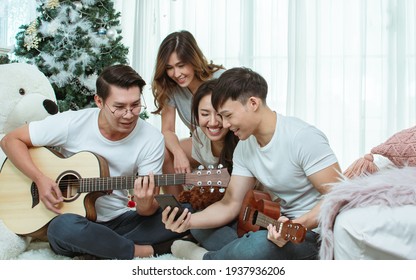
[216, 238]
[253, 246]
[72, 235]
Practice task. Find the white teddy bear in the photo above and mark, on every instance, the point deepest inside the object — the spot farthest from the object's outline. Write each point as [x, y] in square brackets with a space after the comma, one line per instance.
[25, 95]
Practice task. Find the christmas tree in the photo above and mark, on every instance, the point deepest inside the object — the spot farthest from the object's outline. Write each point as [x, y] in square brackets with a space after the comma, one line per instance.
[71, 42]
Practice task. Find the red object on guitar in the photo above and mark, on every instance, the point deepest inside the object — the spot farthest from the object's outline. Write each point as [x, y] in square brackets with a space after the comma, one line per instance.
[259, 210]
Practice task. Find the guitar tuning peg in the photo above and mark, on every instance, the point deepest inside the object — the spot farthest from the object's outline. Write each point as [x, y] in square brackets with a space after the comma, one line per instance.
[210, 167]
[211, 189]
[201, 167]
[221, 190]
[220, 166]
[201, 190]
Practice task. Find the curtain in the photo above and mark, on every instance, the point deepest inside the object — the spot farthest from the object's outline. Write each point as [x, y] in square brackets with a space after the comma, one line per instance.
[12, 15]
[345, 66]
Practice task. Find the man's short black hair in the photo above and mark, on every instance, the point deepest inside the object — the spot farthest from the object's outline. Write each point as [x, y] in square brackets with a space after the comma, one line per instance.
[238, 83]
[122, 76]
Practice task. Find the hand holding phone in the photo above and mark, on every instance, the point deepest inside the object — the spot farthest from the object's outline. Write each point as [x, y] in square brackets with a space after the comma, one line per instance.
[166, 200]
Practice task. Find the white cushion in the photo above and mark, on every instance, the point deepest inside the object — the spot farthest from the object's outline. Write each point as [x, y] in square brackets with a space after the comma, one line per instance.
[376, 232]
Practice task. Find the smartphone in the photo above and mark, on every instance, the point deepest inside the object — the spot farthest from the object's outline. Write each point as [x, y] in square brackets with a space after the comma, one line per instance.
[166, 200]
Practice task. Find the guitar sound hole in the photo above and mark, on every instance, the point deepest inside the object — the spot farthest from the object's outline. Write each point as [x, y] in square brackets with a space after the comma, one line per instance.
[69, 186]
[255, 214]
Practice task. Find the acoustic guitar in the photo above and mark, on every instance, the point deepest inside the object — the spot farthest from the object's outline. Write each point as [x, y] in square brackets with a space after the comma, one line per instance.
[82, 178]
[258, 211]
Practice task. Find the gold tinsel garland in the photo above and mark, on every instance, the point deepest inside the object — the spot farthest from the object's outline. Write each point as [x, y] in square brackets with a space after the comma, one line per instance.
[32, 28]
[52, 4]
[31, 38]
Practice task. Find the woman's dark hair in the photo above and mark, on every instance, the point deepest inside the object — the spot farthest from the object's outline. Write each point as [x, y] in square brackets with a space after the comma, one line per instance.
[122, 76]
[230, 140]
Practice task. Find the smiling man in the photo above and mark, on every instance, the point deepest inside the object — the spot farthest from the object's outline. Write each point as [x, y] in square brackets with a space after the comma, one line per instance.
[130, 146]
[290, 158]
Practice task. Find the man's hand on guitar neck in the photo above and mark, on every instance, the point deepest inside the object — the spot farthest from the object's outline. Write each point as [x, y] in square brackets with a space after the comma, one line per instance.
[144, 194]
[50, 194]
[274, 235]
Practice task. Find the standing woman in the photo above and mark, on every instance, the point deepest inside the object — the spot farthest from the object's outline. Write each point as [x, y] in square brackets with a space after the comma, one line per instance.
[180, 69]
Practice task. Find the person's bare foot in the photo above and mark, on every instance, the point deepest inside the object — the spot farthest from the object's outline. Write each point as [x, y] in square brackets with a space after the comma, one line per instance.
[143, 251]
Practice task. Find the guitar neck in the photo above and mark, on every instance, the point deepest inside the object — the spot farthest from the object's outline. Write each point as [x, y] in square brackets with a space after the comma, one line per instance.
[293, 232]
[126, 182]
[263, 221]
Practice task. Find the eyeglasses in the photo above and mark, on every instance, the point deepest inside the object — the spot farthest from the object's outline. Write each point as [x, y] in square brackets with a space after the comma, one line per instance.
[121, 112]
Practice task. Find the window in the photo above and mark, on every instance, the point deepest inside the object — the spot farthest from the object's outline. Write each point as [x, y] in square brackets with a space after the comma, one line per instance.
[14, 13]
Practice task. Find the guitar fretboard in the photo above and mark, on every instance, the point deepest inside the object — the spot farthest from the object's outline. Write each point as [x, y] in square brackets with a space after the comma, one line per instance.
[263, 221]
[293, 232]
[125, 182]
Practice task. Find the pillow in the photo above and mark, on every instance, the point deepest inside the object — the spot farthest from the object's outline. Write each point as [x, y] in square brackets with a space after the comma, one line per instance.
[399, 148]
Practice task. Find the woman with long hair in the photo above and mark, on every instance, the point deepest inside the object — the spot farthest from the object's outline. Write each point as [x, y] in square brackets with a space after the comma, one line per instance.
[180, 69]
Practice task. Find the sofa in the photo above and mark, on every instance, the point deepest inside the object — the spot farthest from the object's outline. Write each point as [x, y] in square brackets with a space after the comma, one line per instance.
[369, 213]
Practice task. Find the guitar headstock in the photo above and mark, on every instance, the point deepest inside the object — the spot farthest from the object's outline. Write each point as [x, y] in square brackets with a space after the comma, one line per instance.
[293, 232]
[210, 177]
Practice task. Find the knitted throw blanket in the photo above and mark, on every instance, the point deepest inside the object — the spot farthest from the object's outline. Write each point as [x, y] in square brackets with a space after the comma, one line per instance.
[389, 187]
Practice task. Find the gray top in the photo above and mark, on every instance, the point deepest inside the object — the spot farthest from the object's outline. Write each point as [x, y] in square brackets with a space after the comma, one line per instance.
[181, 99]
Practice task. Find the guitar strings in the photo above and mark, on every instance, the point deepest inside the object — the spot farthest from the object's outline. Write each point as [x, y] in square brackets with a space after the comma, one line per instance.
[122, 182]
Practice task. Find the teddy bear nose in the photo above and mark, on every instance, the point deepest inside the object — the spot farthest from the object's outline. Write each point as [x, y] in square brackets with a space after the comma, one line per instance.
[50, 106]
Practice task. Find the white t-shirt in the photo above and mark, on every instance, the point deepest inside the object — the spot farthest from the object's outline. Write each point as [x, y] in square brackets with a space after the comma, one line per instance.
[296, 150]
[74, 131]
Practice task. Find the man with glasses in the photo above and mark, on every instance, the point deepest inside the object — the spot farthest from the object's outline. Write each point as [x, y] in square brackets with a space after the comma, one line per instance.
[129, 145]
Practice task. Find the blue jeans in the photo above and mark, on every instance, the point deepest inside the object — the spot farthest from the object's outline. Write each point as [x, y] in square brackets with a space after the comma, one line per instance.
[72, 235]
[253, 246]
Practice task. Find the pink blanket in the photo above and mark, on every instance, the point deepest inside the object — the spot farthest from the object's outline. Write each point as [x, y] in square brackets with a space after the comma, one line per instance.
[389, 187]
